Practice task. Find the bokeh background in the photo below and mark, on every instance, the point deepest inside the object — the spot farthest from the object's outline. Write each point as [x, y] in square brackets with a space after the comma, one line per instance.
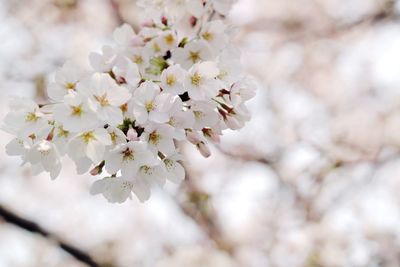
[312, 181]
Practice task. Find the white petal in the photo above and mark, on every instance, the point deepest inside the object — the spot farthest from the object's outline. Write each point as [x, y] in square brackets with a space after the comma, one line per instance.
[95, 151]
[175, 171]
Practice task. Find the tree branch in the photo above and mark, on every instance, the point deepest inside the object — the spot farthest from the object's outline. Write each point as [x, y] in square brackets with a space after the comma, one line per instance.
[10, 217]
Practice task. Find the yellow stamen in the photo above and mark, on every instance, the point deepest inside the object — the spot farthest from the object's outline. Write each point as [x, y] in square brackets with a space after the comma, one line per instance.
[154, 138]
[77, 110]
[169, 39]
[137, 59]
[196, 79]
[62, 132]
[88, 136]
[208, 36]
[150, 106]
[171, 79]
[31, 117]
[103, 101]
[128, 155]
[194, 56]
[156, 47]
[198, 114]
[70, 86]
[124, 108]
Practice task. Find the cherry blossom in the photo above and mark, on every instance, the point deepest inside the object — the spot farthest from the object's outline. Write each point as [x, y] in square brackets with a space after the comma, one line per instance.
[176, 79]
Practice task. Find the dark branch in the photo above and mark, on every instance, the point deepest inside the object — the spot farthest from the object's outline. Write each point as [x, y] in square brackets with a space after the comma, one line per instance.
[33, 227]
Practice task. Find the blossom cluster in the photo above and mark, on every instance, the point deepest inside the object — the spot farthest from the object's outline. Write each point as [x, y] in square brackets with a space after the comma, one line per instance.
[177, 79]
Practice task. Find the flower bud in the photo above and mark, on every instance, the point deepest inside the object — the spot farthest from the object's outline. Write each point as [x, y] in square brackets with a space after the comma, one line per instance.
[193, 137]
[232, 123]
[211, 135]
[204, 149]
[132, 135]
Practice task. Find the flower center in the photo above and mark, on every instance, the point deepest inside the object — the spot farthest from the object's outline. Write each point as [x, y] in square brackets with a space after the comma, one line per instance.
[113, 136]
[150, 106]
[198, 114]
[146, 170]
[208, 36]
[169, 164]
[103, 101]
[196, 79]
[127, 155]
[171, 79]
[169, 39]
[154, 138]
[194, 56]
[156, 47]
[137, 59]
[88, 136]
[76, 110]
[70, 86]
[31, 117]
[62, 132]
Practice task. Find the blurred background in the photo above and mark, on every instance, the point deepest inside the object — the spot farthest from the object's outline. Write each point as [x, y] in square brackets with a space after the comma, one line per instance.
[312, 181]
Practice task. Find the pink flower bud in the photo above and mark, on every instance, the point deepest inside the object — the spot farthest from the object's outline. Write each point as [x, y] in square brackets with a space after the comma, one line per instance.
[193, 137]
[211, 135]
[204, 149]
[96, 171]
[232, 123]
[131, 135]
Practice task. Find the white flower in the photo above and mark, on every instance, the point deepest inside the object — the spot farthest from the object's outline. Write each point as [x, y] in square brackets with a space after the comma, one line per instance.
[229, 66]
[242, 91]
[25, 119]
[106, 97]
[152, 8]
[176, 9]
[172, 79]
[140, 56]
[128, 158]
[160, 138]
[223, 6]
[155, 47]
[234, 116]
[91, 145]
[168, 40]
[125, 36]
[150, 104]
[146, 177]
[213, 33]
[196, 8]
[205, 114]
[18, 147]
[75, 113]
[105, 61]
[174, 170]
[180, 119]
[126, 71]
[44, 154]
[200, 82]
[192, 53]
[114, 189]
[117, 136]
[61, 138]
[66, 79]
[200, 142]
